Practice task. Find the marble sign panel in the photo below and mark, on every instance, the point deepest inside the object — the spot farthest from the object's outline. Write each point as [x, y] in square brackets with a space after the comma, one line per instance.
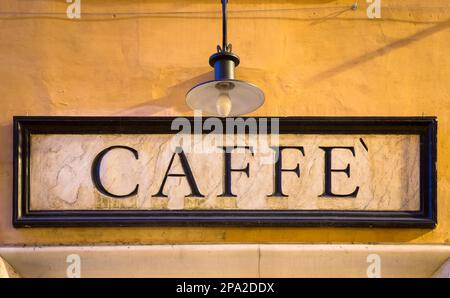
[384, 169]
[150, 171]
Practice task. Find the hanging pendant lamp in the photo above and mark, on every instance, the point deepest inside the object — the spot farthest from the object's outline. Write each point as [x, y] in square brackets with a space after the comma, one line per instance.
[225, 96]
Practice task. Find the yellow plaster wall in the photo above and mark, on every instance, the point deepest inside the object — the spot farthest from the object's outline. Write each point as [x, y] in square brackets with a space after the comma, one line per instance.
[312, 58]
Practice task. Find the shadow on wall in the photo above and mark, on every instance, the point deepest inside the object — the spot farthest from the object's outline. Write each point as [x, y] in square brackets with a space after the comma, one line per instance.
[6, 175]
[6, 135]
[380, 52]
[174, 101]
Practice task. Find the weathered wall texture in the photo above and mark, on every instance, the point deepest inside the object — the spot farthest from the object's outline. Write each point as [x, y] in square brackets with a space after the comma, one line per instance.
[311, 58]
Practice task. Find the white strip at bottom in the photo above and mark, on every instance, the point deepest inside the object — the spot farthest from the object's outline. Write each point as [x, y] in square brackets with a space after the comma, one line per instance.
[230, 260]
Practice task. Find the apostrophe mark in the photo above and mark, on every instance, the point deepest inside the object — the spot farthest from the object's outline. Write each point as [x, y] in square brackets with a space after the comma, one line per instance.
[364, 144]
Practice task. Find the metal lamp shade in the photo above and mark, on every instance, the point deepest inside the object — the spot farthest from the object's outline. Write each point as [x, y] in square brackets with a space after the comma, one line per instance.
[245, 97]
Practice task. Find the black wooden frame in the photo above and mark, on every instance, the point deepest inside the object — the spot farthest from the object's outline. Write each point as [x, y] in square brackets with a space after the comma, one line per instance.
[24, 126]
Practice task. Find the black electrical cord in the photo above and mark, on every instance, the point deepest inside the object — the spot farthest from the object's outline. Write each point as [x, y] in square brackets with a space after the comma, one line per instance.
[234, 12]
[224, 26]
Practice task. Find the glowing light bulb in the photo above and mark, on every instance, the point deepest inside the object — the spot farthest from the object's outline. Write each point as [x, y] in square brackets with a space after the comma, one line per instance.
[223, 104]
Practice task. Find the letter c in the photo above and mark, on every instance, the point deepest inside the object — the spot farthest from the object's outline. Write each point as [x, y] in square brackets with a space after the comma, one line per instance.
[95, 172]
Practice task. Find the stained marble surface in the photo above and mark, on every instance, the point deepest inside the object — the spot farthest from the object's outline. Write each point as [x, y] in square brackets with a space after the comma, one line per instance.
[387, 173]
